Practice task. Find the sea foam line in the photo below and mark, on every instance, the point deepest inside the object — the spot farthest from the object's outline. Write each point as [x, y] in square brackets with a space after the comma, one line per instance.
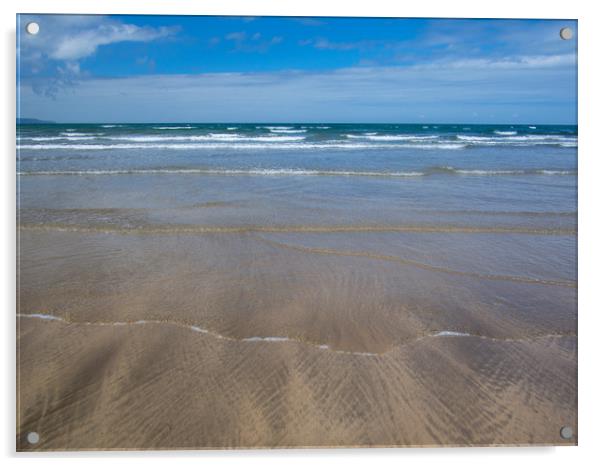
[295, 172]
[280, 339]
[391, 137]
[173, 127]
[261, 142]
[203, 229]
[209, 171]
[227, 137]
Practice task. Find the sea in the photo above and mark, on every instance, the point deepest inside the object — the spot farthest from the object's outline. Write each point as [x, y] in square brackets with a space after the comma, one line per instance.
[350, 173]
[494, 200]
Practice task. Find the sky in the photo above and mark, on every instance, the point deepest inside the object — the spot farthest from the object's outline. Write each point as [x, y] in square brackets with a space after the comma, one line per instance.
[92, 69]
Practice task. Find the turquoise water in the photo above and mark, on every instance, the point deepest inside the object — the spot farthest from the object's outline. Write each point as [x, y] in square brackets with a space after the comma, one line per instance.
[301, 149]
[299, 173]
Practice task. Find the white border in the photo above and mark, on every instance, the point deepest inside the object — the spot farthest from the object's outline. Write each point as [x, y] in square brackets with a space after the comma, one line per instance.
[590, 231]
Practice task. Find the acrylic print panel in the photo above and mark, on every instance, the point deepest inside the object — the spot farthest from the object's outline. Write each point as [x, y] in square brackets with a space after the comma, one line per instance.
[295, 232]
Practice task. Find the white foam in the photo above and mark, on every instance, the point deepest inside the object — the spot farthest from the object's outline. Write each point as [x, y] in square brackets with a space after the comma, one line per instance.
[490, 172]
[173, 127]
[556, 172]
[450, 333]
[505, 133]
[294, 172]
[391, 137]
[524, 140]
[108, 126]
[511, 172]
[532, 127]
[267, 339]
[58, 138]
[194, 328]
[70, 134]
[242, 146]
[288, 131]
[209, 137]
[436, 146]
[201, 171]
[42, 316]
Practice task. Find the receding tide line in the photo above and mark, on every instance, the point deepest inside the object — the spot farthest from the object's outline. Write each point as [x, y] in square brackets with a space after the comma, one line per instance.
[202, 229]
[296, 172]
[281, 339]
[420, 265]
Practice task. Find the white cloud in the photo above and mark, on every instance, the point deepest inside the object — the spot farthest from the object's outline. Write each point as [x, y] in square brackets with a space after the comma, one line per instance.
[71, 38]
[85, 43]
[244, 42]
[449, 92]
[513, 62]
[64, 40]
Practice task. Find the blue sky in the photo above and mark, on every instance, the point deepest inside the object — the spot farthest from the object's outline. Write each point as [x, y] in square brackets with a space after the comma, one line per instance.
[247, 69]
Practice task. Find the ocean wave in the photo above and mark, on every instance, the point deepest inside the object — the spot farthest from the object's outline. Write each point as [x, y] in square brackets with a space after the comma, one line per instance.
[526, 137]
[173, 127]
[210, 137]
[390, 137]
[480, 172]
[217, 171]
[57, 138]
[288, 131]
[253, 145]
[524, 140]
[294, 141]
[505, 133]
[299, 172]
[70, 134]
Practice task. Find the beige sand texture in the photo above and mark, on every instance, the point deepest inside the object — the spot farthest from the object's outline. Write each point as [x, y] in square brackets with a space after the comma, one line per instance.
[258, 339]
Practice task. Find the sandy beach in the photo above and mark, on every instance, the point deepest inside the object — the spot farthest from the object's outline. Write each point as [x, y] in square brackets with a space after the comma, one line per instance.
[133, 341]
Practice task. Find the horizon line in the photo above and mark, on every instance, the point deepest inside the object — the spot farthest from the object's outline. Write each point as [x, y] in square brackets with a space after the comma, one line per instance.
[41, 121]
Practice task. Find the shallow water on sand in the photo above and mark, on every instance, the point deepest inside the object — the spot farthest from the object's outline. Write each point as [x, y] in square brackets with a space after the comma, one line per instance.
[389, 277]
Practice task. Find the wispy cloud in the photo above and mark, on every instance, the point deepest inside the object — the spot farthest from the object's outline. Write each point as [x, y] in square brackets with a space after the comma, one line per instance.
[529, 90]
[255, 42]
[521, 62]
[455, 40]
[327, 44]
[85, 43]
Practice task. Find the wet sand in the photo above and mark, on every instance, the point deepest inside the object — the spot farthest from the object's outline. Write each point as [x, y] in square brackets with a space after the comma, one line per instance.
[293, 339]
